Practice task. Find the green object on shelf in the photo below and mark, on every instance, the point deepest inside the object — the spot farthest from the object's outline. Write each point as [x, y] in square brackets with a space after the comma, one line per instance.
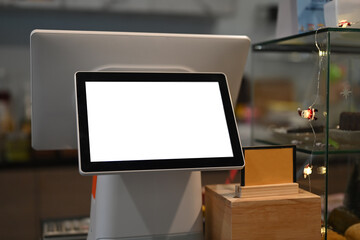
[334, 143]
[17, 148]
[336, 73]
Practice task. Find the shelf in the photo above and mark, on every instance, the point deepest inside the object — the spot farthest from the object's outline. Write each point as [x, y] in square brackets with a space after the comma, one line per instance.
[308, 149]
[40, 159]
[343, 40]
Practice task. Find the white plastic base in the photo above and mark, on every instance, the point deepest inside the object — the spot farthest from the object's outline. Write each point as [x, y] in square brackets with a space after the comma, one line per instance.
[151, 205]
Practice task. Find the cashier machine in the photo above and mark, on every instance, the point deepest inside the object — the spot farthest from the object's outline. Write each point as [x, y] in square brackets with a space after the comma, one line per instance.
[147, 113]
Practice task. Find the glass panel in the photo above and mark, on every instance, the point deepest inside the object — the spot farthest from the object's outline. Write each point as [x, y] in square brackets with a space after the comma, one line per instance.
[343, 207]
[306, 91]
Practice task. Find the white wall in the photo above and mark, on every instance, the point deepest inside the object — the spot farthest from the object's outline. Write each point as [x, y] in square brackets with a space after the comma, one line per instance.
[239, 17]
[251, 18]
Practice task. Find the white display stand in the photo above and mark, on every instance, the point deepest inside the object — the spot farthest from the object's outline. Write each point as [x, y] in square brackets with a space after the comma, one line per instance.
[149, 205]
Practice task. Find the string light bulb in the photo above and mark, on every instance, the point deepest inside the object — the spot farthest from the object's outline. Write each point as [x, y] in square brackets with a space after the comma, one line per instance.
[308, 113]
[307, 170]
[322, 53]
[344, 24]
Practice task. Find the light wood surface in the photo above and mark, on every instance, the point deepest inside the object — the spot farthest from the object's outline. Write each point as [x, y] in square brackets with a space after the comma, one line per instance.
[290, 216]
[229, 191]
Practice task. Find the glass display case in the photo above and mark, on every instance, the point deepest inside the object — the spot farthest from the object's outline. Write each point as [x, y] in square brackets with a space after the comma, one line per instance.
[306, 92]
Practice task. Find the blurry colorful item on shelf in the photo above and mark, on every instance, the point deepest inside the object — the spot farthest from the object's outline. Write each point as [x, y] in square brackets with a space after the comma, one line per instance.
[341, 218]
[308, 113]
[337, 72]
[344, 23]
[349, 121]
[307, 170]
[352, 193]
[310, 15]
[353, 232]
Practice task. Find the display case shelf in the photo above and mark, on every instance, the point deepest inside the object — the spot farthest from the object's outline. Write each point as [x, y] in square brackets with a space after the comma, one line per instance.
[343, 42]
[309, 150]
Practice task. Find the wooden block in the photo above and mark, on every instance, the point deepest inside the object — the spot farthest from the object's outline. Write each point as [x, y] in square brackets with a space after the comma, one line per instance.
[269, 190]
[288, 216]
[230, 190]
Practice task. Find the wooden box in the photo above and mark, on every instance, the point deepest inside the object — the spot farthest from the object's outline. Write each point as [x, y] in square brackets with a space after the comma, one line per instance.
[281, 211]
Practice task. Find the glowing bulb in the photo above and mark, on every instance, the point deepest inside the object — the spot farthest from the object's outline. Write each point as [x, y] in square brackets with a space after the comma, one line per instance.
[323, 230]
[322, 53]
[307, 114]
[307, 170]
[321, 170]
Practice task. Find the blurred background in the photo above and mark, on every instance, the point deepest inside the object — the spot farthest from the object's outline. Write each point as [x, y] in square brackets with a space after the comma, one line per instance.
[39, 185]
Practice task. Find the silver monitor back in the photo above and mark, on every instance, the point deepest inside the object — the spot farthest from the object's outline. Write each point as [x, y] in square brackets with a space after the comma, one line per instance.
[56, 55]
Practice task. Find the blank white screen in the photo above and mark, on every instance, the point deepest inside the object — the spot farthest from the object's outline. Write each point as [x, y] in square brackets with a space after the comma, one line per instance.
[156, 120]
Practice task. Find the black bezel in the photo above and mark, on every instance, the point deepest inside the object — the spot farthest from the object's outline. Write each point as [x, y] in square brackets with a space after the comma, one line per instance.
[88, 167]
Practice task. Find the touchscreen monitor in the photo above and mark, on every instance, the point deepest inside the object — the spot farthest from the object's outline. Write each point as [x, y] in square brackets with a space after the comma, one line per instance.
[155, 121]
